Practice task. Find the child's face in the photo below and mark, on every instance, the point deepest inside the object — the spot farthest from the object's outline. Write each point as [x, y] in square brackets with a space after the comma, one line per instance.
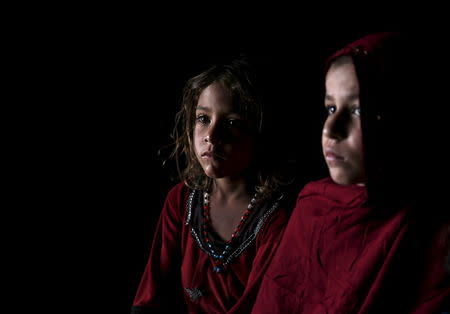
[222, 138]
[342, 136]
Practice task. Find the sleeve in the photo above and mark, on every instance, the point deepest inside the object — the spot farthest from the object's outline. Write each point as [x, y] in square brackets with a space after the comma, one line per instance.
[160, 289]
[267, 241]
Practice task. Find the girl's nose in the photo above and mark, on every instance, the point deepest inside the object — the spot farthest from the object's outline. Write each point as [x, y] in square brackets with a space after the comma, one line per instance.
[213, 135]
[336, 126]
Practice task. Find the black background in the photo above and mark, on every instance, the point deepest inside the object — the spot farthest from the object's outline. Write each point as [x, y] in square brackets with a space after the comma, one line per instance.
[107, 95]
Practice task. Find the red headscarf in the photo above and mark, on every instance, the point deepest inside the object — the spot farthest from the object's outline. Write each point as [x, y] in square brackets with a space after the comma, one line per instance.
[391, 97]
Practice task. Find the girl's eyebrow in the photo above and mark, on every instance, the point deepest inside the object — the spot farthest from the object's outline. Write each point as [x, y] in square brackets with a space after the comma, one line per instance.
[203, 108]
[350, 97]
[207, 109]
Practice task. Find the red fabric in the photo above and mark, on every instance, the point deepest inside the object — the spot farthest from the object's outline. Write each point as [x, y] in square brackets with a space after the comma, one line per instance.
[176, 263]
[365, 45]
[339, 256]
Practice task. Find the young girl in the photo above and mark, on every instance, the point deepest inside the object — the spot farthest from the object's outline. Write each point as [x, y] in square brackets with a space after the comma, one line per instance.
[220, 227]
[368, 239]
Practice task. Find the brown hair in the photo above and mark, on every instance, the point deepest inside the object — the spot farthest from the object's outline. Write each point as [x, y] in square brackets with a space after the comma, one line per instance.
[239, 80]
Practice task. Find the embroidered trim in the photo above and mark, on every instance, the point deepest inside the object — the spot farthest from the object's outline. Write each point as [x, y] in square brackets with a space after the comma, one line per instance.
[191, 197]
[197, 239]
[245, 243]
[252, 237]
[194, 293]
[267, 214]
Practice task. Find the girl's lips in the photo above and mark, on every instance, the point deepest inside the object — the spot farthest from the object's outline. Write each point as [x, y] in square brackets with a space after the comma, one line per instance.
[211, 155]
[207, 154]
[332, 156]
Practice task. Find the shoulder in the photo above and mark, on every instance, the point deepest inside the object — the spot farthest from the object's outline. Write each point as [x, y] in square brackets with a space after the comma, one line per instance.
[275, 217]
[314, 188]
[312, 197]
[277, 208]
[177, 197]
[177, 191]
[329, 192]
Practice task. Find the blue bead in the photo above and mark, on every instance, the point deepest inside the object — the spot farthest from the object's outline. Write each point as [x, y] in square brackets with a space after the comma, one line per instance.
[227, 247]
[217, 269]
[221, 256]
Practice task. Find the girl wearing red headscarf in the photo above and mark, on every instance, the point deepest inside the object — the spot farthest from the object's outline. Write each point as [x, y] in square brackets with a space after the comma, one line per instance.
[369, 238]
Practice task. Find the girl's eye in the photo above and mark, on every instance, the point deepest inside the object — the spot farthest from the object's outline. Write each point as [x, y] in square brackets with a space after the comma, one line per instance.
[234, 123]
[202, 119]
[356, 111]
[238, 125]
[330, 109]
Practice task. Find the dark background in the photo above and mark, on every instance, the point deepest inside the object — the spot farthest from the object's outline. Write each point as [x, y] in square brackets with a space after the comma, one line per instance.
[107, 104]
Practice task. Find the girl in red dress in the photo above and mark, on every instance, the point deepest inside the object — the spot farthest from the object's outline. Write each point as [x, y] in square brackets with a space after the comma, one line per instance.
[370, 238]
[220, 227]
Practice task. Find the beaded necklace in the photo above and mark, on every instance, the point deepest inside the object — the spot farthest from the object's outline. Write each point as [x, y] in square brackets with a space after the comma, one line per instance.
[220, 257]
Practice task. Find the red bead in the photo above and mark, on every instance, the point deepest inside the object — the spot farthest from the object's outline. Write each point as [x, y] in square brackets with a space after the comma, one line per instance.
[206, 224]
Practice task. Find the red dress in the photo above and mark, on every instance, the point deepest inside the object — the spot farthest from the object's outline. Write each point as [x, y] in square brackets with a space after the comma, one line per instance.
[338, 255]
[179, 276]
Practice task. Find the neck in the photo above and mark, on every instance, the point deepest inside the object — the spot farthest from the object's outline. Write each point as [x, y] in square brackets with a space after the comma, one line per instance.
[230, 188]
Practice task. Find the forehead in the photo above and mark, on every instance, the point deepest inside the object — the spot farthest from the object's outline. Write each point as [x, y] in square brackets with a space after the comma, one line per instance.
[342, 80]
[216, 97]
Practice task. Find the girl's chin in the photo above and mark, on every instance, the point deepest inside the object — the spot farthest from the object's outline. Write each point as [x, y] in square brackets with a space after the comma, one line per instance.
[213, 173]
[345, 179]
